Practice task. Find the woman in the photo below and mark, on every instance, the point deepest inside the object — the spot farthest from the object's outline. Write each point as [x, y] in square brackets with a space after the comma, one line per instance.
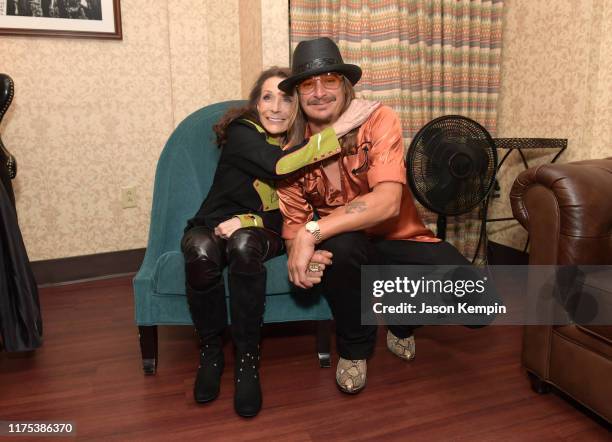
[238, 226]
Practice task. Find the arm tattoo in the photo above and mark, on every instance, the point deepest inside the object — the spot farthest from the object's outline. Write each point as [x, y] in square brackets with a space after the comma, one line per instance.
[355, 207]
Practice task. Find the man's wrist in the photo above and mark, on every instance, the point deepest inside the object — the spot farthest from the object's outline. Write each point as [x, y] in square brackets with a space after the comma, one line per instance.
[288, 245]
[313, 230]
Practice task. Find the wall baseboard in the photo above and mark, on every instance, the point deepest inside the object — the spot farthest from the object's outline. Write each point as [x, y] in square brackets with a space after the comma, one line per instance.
[87, 267]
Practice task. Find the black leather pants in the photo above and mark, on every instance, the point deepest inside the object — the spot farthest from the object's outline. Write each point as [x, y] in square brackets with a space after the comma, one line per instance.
[206, 255]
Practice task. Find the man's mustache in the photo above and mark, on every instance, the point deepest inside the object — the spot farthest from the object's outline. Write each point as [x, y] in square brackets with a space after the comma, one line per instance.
[323, 100]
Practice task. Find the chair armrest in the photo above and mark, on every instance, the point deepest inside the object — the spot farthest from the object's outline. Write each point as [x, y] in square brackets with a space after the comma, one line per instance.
[567, 210]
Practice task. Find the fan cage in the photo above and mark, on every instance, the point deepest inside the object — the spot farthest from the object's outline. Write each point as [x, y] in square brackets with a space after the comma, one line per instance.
[423, 175]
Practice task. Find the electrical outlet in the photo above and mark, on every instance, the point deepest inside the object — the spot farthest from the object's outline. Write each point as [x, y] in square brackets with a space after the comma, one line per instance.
[128, 197]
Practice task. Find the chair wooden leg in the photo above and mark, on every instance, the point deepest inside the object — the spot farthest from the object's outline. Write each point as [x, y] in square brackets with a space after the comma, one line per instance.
[148, 348]
[537, 384]
[324, 343]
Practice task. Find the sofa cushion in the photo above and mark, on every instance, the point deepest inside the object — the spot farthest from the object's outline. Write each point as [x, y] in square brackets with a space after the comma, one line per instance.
[169, 275]
[598, 284]
[588, 338]
[601, 332]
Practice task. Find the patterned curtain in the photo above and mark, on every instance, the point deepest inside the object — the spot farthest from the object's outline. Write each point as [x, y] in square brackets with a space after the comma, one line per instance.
[424, 58]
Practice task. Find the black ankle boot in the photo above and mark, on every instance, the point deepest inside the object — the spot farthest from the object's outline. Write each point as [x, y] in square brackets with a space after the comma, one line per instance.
[208, 377]
[247, 399]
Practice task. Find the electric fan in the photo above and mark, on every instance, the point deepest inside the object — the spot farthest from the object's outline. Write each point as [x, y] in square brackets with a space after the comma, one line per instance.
[450, 166]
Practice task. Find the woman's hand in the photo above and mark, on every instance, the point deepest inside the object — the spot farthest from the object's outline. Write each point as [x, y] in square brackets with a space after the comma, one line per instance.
[357, 113]
[227, 228]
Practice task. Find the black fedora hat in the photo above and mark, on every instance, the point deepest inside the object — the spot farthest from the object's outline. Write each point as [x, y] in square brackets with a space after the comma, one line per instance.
[314, 57]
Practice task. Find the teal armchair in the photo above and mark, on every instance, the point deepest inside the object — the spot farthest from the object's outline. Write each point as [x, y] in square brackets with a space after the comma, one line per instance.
[184, 175]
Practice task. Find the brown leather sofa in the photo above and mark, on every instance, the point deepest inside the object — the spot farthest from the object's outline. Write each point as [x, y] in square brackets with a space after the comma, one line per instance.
[567, 210]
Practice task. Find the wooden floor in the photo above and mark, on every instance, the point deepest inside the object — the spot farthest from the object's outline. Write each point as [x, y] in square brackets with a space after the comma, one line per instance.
[463, 385]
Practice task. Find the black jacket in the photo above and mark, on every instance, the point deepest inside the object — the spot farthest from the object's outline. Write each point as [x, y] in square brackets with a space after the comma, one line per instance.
[248, 167]
[247, 159]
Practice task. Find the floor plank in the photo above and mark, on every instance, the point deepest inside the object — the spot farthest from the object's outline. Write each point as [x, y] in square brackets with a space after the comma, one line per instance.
[464, 384]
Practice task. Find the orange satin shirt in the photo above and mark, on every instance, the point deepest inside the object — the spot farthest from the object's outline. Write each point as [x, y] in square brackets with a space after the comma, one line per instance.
[360, 172]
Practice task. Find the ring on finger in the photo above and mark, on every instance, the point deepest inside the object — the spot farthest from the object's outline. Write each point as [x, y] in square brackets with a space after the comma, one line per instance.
[314, 267]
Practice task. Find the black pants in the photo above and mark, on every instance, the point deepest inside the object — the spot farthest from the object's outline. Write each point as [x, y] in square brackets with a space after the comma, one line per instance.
[341, 282]
[206, 255]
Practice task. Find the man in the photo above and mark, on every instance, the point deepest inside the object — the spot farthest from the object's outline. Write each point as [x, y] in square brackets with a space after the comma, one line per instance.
[367, 215]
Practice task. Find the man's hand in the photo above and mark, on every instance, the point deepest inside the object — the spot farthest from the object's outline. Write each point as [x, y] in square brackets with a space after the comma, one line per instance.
[320, 259]
[227, 228]
[300, 254]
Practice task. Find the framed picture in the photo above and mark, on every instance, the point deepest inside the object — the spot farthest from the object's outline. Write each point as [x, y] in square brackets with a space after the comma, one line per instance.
[61, 18]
